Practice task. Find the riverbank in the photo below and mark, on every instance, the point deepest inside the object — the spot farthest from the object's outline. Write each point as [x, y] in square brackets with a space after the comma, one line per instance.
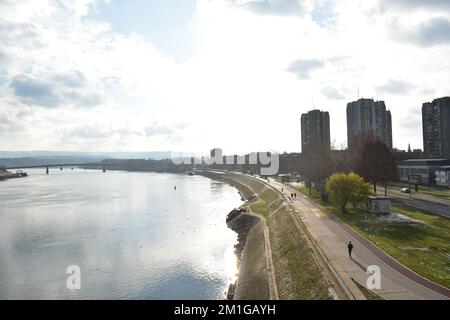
[252, 281]
[277, 261]
[4, 175]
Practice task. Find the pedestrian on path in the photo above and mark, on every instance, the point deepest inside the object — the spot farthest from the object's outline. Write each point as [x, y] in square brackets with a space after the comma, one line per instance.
[350, 248]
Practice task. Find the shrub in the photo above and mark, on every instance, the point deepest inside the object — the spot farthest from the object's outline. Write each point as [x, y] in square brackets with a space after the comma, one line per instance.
[347, 188]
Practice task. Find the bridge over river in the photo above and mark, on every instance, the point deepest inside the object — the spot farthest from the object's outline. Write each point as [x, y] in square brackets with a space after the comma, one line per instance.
[61, 166]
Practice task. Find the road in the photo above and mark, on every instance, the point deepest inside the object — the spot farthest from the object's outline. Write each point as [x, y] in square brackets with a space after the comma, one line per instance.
[397, 281]
[420, 201]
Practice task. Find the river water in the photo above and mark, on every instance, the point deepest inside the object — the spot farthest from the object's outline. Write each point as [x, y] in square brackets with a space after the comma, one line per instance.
[132, 235]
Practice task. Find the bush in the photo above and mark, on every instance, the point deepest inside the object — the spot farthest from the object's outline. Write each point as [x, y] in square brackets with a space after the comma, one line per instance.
[347, 188]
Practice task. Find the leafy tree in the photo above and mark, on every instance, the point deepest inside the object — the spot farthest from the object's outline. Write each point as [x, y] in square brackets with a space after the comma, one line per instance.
[347, 188]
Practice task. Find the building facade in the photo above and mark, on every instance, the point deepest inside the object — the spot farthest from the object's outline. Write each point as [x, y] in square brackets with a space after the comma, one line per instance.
[436, 128]
[315, 127]
[367, 115]
[430, 171]
[442, 176]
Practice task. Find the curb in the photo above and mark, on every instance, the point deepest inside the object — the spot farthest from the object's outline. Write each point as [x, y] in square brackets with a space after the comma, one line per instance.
[342, 277]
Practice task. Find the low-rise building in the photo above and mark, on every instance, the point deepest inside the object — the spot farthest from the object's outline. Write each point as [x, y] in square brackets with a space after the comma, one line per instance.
[422, 170]
[443, 176]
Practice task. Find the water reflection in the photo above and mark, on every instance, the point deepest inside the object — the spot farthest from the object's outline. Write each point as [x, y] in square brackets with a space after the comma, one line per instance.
[132, 235]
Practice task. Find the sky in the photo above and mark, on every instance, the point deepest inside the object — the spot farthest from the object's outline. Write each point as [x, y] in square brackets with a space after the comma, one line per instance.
[190, 75]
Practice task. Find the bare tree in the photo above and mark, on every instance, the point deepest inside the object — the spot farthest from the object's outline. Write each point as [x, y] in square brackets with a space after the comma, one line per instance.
[373, 160]
[317, 165]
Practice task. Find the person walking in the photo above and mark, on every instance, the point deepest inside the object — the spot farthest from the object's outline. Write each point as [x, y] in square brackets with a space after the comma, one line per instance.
[350, 248]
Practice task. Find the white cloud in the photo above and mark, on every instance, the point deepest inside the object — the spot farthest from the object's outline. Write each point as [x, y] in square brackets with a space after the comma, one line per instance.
[433, 32]
[332, 93]
[395, 87]
[79, 81]
[303, 68]
[415, 4]
[273, 7]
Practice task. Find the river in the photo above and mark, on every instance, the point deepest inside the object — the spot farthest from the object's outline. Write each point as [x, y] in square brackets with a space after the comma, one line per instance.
[132, 235]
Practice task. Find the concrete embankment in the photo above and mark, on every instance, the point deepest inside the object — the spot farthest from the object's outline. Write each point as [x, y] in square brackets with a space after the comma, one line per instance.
[276, 258]
[252, 282]
[253, 279]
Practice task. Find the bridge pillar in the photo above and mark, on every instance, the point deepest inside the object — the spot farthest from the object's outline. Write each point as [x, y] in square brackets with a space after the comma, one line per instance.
[46, 170]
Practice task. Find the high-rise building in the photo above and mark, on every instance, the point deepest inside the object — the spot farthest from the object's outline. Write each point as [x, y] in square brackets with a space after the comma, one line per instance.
[367, 115]
[216, 152]
[315, 127]
[436, 128]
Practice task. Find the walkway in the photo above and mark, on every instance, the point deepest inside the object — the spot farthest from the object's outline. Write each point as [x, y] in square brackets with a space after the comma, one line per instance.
[397, 281]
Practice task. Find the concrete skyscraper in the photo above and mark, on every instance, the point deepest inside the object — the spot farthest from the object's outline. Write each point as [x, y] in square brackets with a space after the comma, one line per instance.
[436, 128]
[367, 115]
[315, 126]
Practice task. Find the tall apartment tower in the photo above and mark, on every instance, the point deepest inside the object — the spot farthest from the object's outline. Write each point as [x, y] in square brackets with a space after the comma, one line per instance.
[315, 127]
[367, 115]
[436, 128]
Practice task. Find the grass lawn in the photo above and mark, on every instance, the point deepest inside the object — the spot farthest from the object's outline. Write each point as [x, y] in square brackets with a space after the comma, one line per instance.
[444, 194]
[418, 239]
[267, 200]
[435, 192]
[315, 195]
[267, 196]
[297, 274]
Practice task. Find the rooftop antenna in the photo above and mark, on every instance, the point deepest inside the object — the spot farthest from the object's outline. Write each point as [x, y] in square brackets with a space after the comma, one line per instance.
[358, 92]
[312, 98]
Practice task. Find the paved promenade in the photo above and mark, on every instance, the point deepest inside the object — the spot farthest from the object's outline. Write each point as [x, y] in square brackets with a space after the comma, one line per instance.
[332, 235]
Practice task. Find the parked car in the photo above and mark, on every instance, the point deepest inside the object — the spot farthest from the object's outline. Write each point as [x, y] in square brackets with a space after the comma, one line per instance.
[405, 190]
